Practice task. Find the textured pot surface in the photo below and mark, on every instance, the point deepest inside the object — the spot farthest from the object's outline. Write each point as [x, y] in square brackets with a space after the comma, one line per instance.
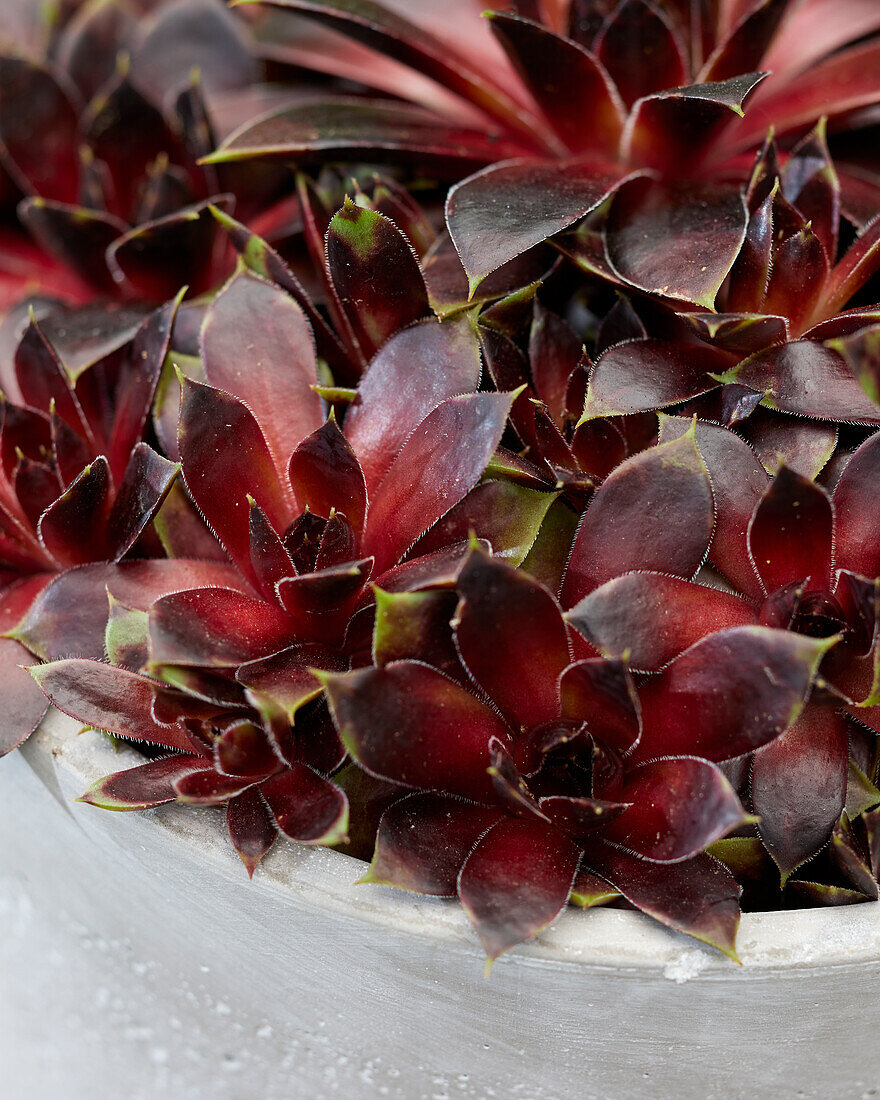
[138, 960]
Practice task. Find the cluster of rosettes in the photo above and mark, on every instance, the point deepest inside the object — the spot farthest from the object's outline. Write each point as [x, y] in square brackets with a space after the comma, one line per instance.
[499, 502]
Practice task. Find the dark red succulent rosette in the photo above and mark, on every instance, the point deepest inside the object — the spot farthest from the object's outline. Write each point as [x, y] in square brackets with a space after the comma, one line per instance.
[804, 562]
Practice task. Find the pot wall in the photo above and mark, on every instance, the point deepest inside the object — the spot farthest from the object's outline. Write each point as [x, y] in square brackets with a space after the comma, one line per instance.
[138, 960]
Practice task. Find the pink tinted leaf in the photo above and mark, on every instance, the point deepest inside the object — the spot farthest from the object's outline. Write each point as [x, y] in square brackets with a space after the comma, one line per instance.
[409, 724]
[652, 618]
[791, 533]
[393, 399]
[423, 841]
[306, 806]
[699, 896]
[251, 829]
[145, 786]
[257, 345]
[215, 628]
[570, 86]
[375, 275]
[450, 449]
[516, 881]
[767, 674]
[677, 807]
[24, 704]
[325, 474]
[512, 639]
[219, 477]
[799, 786]
[655, 512]
[107, 698]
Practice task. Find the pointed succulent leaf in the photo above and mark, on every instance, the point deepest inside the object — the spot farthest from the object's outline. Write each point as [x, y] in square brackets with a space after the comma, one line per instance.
[642, 50]
[652, 618]
[856, 504]
[409, 724]
[579, 817]
[860, 351]
[251, 828]
[243, 749]
[75, 235]
[74, 528]
[287, 678]
[554, 352]
[144, 486]
[416, 626]
[44, 382]
[516, 881]
[738, 483]
[257, 345]
[393, 399]
[589, 891]
[698, 896]
[209, 788]
[324, 590]
[220, 477]
[126, 638]
[215, 628]
[746, 43]
[856, 267]
[375, 275]
[512, 638]
[676, 808]
[852, 858]
[24, 704]
[799, 786]
[655, 511]
[325, 474]
[504, 210]
[145, 786]
[450, 449]
[269, 557]
[571, 87]
[811, 184]
[791, 533]
[601, 693]
[677, 241]
[767, 675]
[306, 806]
[424, 840]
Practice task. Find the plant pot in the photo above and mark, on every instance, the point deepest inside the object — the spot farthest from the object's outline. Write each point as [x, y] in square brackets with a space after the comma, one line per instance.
[139, 960]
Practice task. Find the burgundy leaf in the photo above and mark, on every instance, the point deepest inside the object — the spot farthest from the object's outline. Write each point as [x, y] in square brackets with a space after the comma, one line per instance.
[250, 827]
[450, 450]
[257, 345]
[601, 693]
[699, 896]
[766, 675]
[141, 492]
[747, 42]
[856, 506]
[74, 528]
[23, 702]
[791, 533]
[652, 618]
[423, 841]
[554, 352]
[641, 50]
[287, 678]
[516, 881]
[269, 558]
[325, 474]
[677, 807]
[43, 380]
[208, 788]
[306, 806]
[416, 626]
[76, 236]
[655, 511]
[107, 698]
[393, 399]
[799, 786]
[243, 749]
[512, 639]
[408, 723]
[145, 786]
[579, 817]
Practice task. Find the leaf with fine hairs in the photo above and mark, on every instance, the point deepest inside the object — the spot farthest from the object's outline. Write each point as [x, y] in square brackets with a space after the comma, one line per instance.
[306, 806]
[856, 506]
[145, 786]
[792, 531]
[251, 828]
[325, 475]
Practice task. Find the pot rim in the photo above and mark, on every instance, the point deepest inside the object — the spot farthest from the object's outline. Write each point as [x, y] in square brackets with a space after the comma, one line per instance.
[69, 759]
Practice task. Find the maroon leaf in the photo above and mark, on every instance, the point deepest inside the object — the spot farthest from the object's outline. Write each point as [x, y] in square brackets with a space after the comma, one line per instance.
[144, 486]
[504, 210]
[516, 881]
[641, 50]
[799, 786]
[655, 511]
[677, 807]
[145, 786]
[572, 89]
[416, 626]
[375, 274]
[208, 788]
[215, 628]
[790, 536]
[107, 698]
[554, 352]
[43, 380]
[423, 841]
[220, 477]
[601, 694]
[287, 678]
[306, 806]
[676, 240]
[450, 449]
[699, 896]
[76, 236]
[250, 827]
[393, 399]
[652, 618]
[766, 674]
[408, 723]
[856, 506]
[512, 639]
[269, 558]
[257, 345]
[243, 749]
[325, 474]
[579, 817]
[23, 702]
[747, 42]
[74, 528]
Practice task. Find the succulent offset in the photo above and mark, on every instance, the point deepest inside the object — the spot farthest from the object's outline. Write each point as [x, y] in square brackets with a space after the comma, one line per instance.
[455, 440]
